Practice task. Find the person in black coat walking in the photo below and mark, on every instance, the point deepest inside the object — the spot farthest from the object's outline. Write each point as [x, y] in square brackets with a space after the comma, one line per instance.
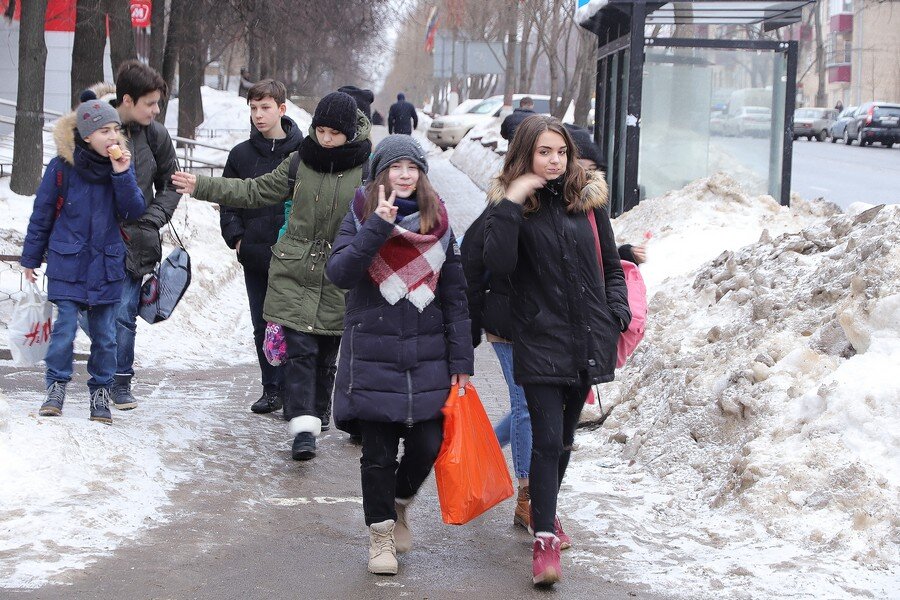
[406, 339]
[402, 117]
[525, 110]
[251, 232]
[568, 311]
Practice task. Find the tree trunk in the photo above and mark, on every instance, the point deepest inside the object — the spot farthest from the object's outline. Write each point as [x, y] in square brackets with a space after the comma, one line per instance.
[87, 46]
[170, 54]
[512, 26]
[158, 35]
[527, 21]
[28, 145]
[190, 78]
[585, 71]
[121, 35]
[821, 98]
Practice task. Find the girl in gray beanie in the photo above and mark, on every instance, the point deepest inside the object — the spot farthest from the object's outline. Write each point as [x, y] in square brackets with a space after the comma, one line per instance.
[407, 336]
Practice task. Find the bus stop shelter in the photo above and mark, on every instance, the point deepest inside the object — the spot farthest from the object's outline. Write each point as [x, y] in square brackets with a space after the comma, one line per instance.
[670, 110]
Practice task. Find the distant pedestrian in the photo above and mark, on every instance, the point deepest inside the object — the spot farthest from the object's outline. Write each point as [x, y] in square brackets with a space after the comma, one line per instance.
[567, 312]
[407, 336]
[839, 106]
[299, 297]
[508, 127]
[251, 232]
[377, 118]
[402, 117]
[85, 192]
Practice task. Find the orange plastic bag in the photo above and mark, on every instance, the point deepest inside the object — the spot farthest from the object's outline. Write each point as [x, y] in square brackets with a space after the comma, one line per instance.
[470, 470]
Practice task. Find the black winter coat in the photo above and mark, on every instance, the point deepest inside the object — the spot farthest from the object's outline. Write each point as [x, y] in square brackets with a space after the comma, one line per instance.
[257, 228]
[395, 362]
[153, 157]
[399, 117]
[567, 316]
[488, 296]
[508, 127]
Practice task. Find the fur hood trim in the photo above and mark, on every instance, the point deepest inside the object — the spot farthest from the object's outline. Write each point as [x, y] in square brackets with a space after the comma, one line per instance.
[595, 193]
[64, 133]
[104, 91]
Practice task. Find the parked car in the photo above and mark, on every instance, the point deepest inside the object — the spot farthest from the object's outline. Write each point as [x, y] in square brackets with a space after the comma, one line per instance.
[750, 121]
[838, 127]
[813, 122]
[717, 120]
[874, 122]
[449, 130]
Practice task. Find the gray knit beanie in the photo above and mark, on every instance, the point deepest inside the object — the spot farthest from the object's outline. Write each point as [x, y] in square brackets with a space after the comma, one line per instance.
[397, 147]
[94, 114]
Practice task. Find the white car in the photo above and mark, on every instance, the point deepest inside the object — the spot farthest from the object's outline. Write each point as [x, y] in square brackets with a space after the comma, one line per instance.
[449, 130]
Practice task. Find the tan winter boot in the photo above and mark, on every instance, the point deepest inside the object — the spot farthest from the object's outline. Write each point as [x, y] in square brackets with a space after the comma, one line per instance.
[522, 516]
[382, 554]
[402, 534]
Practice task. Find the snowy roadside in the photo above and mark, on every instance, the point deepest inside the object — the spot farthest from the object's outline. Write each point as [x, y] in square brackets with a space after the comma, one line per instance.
[751, 448]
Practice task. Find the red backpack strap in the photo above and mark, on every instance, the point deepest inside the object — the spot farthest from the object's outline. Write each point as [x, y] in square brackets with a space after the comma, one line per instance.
[60, 197]
[593, 221]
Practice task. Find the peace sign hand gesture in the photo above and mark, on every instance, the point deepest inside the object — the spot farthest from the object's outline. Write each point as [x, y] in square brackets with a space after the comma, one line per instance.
[386, 209]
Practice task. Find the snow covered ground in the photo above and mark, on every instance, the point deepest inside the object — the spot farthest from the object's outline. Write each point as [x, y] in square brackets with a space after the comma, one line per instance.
[751, 449]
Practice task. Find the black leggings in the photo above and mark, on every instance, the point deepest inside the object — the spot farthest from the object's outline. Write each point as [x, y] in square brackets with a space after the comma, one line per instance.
[554, 414]
[383, 478]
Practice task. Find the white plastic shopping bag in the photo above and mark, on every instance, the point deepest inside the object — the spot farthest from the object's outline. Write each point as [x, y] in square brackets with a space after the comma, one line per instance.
[29, 327]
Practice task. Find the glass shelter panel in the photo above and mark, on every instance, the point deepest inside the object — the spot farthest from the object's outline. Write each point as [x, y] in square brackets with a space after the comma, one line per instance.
[708, 110]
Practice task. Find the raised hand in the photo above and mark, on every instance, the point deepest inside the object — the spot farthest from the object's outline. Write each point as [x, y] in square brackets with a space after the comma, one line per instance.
[184, 183]
[386, 209]
[523, 186]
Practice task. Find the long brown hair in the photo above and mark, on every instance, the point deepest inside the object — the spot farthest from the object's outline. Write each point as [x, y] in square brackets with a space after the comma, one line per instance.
[426, 196]
[520, 156]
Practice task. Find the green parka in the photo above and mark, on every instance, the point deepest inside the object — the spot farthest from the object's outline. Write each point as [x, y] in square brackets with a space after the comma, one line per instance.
[299, 296]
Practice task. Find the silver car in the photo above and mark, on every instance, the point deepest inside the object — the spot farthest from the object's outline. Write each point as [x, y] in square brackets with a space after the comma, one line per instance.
[814, 123]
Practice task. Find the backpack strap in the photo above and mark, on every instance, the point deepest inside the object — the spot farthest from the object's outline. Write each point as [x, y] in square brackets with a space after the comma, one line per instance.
[292, 172]
[592, 219]
[61, 189]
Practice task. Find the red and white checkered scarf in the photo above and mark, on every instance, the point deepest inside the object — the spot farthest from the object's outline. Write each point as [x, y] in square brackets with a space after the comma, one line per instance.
[408, 265]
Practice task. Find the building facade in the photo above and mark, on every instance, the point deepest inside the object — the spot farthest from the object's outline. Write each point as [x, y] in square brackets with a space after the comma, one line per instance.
[862, 52]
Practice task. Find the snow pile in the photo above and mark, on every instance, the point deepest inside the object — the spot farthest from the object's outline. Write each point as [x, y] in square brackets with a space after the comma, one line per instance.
[753, 440]
[480, 153]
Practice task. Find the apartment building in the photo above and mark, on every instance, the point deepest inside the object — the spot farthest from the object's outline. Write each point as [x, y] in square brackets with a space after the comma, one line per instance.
[862, 52]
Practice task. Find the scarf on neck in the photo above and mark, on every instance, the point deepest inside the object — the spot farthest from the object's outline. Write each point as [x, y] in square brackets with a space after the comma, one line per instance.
[334, 160]
[408, 264]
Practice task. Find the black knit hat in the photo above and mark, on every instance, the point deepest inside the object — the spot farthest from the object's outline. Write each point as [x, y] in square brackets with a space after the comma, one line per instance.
[586, 146]
[338, 111]
[364, 98]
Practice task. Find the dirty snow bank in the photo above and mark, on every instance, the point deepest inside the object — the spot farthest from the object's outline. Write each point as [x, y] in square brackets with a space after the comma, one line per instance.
[753, 443]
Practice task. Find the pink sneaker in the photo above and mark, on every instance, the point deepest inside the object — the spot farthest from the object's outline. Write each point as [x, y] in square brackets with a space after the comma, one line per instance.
[545, 568]
[565, 542]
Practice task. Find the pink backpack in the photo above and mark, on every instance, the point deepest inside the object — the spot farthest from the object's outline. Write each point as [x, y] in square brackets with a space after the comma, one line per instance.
[637, 301]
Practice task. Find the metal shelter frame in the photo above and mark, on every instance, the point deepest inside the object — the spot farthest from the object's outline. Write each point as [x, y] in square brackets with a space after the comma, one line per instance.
[620, 27]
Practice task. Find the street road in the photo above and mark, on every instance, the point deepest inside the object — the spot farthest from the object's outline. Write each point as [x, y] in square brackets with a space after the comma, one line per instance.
[846, 174]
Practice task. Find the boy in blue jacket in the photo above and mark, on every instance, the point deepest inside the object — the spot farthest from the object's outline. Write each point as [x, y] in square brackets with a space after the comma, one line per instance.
[84, 193]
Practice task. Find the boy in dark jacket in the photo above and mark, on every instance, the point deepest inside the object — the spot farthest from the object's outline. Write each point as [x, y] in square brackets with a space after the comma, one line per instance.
[251, 232]
[138, 91]
[83, 195]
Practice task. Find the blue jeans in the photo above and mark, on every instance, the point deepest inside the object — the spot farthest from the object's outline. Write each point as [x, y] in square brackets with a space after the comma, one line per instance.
[126, 324]
[102, 362]
[515, 428]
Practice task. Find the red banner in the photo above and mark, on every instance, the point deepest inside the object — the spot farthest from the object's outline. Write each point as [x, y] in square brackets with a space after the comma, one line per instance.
[61, 13]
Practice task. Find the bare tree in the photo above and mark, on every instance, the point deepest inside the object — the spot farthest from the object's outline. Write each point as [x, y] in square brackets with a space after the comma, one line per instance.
[28, 145]
[88, 46]
[158, 34]
[121, 34]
